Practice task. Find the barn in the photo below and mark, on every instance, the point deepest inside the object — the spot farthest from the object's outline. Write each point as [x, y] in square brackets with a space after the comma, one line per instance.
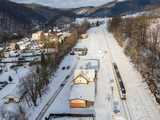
[82, 95]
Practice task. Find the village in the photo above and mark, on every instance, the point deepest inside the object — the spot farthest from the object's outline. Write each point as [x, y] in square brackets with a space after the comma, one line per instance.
[68, 74]
[22, 58]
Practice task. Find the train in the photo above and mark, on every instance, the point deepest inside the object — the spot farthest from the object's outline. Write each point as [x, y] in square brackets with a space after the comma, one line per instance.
[120, 84]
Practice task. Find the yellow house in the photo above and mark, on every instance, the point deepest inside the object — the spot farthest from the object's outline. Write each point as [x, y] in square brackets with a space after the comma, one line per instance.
[84, 76]
[81, 79]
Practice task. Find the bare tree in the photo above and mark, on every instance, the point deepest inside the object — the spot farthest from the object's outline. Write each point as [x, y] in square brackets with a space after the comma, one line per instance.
[154, 43]
[30, 84]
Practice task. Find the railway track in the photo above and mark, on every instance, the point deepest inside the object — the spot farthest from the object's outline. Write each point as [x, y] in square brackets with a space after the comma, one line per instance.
[124, 103]
[126, 110]
[54, 96]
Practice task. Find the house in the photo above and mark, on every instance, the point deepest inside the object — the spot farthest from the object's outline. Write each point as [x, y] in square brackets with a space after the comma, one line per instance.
[89, 68]
[11, 99]
[80, 51]
[81, 79]
[82, 95]
[84, 76]
[12, 45]
[38, 35]
[84, 36]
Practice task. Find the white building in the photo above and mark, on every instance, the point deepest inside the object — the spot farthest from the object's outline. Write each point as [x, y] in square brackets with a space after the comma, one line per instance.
[37, 35]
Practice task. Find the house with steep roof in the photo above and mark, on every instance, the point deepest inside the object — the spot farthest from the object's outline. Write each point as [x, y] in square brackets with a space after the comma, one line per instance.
[81, 79]
[84, 76]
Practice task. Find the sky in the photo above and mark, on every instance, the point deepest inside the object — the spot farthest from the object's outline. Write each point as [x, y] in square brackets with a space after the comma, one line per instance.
[65, 3]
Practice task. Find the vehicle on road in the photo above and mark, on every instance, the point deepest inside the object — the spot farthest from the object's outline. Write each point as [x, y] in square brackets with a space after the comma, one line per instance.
[63, 84]
[63, 68]
[3, 84]
[67, 77]
[72, 53]
[116, 107]
[68, 67]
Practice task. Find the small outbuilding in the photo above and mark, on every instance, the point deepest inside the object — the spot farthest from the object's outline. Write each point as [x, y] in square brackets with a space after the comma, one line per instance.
[82, 95]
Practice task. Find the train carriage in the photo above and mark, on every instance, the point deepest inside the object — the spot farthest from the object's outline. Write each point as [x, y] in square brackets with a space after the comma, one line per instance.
[120, 84]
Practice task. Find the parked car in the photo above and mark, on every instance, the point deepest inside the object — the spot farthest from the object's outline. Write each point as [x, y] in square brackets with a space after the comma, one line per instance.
[21, 58]
[68, 67]
[3, 84]
[62, 84]
[116, 107]
[67, 77]
[63, 68]
[72, 53]
[1, 70]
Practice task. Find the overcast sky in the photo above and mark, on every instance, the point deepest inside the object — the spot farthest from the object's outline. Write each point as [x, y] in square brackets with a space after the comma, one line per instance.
[66, 3]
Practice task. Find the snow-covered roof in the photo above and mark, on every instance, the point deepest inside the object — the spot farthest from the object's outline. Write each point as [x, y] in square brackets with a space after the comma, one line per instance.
[12, 107]
[83, 92]
[88, 73]
[118, 117]
[88, 64]
[1, 48]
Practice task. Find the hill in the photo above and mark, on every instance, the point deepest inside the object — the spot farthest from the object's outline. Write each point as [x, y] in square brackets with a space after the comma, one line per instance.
[119, 8]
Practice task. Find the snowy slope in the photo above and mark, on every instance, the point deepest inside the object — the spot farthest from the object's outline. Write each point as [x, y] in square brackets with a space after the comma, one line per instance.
[67, 3]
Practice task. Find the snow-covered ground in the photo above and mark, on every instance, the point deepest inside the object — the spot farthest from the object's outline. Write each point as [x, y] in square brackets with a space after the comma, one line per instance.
[56, 81]
[13, 87]
[140, 102]
[102, 46]
[102, 104]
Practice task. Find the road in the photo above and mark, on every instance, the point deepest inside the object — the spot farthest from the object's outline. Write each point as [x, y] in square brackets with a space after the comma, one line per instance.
[55, 94]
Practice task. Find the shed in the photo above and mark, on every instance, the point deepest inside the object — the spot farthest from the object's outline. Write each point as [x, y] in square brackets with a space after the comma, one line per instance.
[82, 95]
